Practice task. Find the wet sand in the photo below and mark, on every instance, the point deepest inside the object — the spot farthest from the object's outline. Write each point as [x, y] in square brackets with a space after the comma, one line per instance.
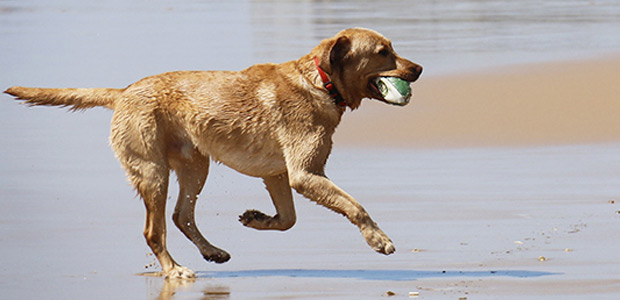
[499, 184]
[470, 222]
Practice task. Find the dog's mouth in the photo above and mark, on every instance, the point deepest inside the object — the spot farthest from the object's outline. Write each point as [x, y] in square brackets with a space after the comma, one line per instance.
[389, 94]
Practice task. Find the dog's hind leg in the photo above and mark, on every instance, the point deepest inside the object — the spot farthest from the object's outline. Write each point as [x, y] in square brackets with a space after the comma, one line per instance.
[136, 143]
[151, 181]
[282, 197]
[192, 174]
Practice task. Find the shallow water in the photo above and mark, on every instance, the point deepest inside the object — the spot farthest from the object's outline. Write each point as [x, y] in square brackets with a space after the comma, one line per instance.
[71, 228]
[386, 275]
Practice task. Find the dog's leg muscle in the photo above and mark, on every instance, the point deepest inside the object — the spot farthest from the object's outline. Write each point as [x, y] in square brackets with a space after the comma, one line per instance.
[192, 174]
[282, 197]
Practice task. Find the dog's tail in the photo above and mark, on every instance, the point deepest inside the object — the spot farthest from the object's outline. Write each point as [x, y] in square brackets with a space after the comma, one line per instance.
[76, 99]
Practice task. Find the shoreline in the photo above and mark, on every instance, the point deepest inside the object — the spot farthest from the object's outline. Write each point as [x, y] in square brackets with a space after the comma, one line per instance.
[555, 103]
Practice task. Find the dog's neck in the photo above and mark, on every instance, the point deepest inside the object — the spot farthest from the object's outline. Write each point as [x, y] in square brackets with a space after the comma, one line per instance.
[331, 88]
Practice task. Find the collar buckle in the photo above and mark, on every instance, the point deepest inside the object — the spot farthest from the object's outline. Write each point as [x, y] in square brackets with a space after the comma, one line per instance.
[331, 88]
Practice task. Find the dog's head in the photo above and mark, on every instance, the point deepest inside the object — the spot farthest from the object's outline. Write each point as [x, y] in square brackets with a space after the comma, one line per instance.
[355, 57]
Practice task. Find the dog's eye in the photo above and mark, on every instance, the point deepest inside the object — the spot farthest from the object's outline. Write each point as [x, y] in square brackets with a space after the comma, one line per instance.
[384, 52]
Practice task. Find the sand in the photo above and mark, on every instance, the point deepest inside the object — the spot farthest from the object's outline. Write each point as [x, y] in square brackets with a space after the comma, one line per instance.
[495, 184]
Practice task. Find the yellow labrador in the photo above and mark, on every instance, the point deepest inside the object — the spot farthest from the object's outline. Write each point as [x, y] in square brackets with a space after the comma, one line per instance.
[273, 121]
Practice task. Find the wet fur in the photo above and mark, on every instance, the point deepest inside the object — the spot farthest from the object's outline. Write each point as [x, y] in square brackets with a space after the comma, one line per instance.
[273, 121]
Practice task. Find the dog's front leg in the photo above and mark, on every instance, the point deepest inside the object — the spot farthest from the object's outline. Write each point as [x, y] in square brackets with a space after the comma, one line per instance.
[280, 192]
[317, 187]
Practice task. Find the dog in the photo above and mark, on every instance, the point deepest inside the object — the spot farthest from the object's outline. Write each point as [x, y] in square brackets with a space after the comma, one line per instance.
[273, 121]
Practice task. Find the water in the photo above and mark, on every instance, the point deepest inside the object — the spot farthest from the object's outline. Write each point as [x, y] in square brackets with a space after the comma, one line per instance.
[394, 275]
[129, 39]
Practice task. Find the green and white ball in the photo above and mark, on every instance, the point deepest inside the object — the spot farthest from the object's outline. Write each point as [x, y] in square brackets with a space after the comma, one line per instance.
[394, 90]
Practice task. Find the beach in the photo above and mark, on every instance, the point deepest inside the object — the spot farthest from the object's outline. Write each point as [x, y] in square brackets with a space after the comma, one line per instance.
[500, 180]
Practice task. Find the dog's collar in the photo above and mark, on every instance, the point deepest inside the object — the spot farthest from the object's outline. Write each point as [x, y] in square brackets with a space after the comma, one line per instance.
[331, 88]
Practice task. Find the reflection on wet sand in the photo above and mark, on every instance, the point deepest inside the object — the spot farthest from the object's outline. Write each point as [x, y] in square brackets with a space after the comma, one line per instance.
[215, 292]
[160, 288]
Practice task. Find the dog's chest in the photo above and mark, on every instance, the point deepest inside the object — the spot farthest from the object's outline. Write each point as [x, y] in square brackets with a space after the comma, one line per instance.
[258, 159]
[255, 154]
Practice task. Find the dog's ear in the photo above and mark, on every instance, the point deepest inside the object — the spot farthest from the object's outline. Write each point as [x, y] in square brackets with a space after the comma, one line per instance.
[333, 58]
[341, 47]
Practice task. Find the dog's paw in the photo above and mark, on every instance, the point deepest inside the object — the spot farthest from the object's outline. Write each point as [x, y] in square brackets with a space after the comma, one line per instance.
[387, 248]
[251, 218]
[379, 241]
[260, 221]
[216, 255]
[180, 272]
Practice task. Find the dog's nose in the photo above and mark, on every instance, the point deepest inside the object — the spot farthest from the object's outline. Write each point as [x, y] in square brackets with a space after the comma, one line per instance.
[416, 70]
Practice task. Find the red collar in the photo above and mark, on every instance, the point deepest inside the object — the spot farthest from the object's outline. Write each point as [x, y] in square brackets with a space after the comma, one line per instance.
[331, 88]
